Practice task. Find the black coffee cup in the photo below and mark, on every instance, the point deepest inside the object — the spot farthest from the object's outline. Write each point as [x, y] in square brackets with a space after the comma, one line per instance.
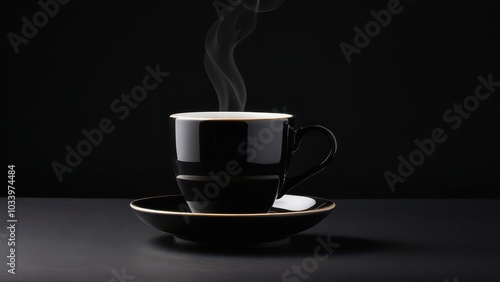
[237, 162]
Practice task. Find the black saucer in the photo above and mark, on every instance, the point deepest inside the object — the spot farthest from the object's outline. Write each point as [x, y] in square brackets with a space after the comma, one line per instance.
[290, 214]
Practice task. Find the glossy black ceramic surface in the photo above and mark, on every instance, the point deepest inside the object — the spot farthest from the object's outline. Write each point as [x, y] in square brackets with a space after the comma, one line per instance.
[236, 164]
[289, 215]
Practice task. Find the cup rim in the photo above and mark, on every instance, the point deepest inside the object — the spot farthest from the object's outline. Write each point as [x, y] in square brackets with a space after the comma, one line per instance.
[230, 115]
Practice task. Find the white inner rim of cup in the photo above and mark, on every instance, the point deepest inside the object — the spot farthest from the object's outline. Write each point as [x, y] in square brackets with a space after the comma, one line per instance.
[229, 115]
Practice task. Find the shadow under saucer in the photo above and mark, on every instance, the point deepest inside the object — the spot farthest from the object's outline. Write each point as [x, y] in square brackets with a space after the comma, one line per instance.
[297, 245]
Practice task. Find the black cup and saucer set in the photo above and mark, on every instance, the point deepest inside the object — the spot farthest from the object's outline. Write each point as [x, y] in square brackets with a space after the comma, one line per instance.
[231, 170]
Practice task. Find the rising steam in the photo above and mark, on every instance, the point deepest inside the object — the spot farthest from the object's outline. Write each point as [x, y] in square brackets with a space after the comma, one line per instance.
[237, 23]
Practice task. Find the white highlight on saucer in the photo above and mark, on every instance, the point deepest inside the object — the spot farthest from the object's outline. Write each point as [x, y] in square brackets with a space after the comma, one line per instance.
[294, 203]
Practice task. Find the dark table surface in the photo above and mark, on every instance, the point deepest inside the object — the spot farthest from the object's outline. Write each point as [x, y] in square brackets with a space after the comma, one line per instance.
[371, 240]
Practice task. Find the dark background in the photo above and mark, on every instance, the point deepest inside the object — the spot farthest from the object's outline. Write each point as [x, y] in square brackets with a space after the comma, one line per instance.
[397, 89]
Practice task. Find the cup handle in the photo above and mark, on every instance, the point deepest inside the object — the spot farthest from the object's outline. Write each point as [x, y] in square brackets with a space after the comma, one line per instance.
[291, 182]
